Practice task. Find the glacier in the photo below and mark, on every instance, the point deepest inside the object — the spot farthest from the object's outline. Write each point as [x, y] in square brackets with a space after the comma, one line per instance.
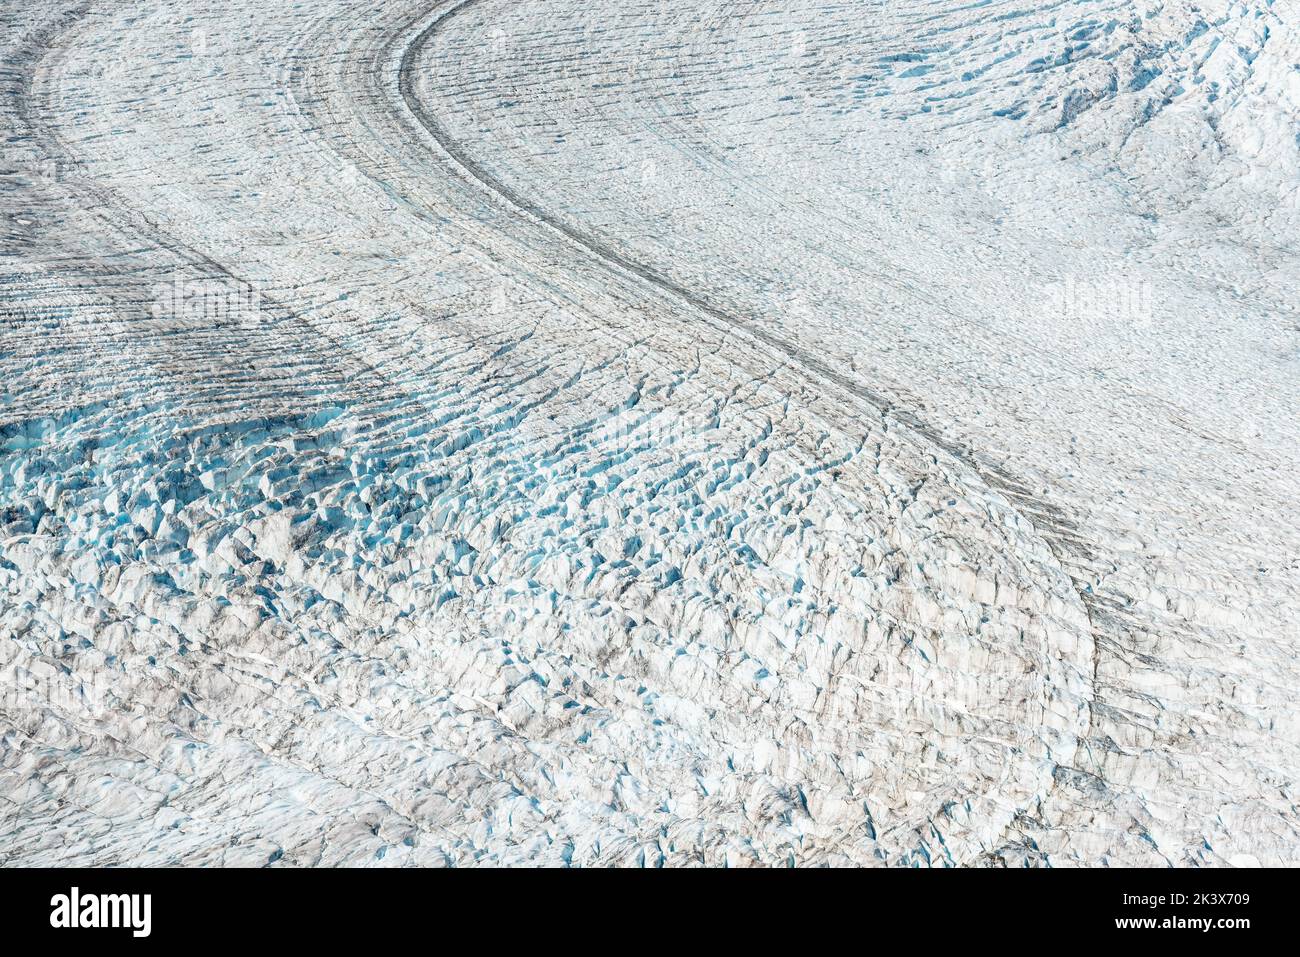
[833, 432]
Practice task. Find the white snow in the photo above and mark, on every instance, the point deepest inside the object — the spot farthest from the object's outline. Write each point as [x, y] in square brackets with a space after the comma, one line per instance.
[631, 433]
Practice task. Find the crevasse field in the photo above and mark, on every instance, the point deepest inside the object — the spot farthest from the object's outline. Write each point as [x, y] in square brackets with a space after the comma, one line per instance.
[635, 433]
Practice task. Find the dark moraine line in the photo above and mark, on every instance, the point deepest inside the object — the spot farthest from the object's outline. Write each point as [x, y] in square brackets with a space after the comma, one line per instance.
[1061, 532]
[881, 403]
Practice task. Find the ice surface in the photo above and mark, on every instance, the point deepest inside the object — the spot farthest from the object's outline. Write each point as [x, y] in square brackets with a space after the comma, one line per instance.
[642, 433]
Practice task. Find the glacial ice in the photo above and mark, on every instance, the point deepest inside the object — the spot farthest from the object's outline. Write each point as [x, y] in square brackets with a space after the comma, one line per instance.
[589, 433]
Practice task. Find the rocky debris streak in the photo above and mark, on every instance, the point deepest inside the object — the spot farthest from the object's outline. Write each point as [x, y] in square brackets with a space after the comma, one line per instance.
[639, 434]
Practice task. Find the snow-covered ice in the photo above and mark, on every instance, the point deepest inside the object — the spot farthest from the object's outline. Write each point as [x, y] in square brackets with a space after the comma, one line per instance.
[557, 432]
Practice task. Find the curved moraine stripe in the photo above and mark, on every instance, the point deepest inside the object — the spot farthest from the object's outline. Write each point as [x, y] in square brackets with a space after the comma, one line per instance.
[731, 432]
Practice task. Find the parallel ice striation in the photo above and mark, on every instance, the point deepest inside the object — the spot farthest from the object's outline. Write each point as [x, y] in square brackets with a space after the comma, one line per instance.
[725, 433]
